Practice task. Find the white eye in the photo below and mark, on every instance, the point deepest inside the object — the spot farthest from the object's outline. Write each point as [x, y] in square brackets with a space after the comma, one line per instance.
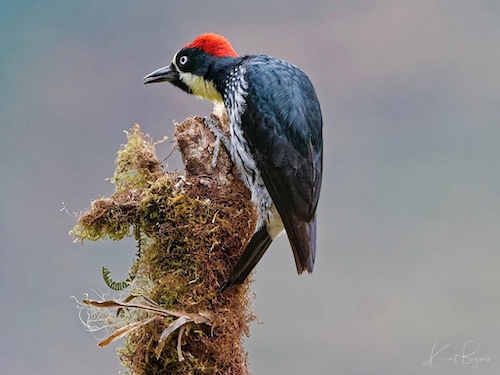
[183, 60]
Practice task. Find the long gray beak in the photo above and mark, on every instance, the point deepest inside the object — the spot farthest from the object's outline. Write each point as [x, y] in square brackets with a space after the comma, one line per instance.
[165, 74]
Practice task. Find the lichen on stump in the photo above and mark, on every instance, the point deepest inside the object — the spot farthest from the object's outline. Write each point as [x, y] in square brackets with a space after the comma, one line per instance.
[190, 228]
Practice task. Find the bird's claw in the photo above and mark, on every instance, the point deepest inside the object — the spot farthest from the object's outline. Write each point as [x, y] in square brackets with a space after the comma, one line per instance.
[219, 137]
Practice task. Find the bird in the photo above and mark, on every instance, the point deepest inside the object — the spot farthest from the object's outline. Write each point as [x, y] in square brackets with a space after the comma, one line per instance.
[275, 139]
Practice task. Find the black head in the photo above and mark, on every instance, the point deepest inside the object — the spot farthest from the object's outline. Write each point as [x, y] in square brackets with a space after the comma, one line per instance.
[198, 67]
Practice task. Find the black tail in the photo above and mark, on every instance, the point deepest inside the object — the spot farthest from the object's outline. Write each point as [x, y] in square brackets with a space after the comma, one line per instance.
[249, 259]
[302, 237]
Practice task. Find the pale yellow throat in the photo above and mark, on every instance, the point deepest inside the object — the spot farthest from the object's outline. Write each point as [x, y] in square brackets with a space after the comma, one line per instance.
[201, 88]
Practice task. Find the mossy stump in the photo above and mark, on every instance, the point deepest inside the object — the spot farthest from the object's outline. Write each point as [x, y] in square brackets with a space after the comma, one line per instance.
[190, 228]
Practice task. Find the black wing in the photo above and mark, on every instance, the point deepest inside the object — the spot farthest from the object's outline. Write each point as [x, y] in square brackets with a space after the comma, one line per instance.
[283, 126]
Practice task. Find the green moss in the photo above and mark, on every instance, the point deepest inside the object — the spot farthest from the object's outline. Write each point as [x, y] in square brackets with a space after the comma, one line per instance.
[136, 165]
[189, 236]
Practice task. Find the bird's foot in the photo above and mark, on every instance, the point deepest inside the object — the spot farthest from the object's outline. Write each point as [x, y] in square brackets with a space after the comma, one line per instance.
[220, 136]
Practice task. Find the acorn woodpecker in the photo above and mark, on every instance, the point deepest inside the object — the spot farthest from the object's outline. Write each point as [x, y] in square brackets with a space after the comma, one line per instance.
[275, 128]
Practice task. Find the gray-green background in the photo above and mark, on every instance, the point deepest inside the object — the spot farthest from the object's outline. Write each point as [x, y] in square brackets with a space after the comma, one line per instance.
[409, 217]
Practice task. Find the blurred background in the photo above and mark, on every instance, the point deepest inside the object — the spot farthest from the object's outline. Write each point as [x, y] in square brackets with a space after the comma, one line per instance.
[409, 217]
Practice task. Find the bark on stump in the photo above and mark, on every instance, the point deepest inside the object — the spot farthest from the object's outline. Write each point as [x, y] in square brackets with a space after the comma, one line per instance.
[190, 228]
